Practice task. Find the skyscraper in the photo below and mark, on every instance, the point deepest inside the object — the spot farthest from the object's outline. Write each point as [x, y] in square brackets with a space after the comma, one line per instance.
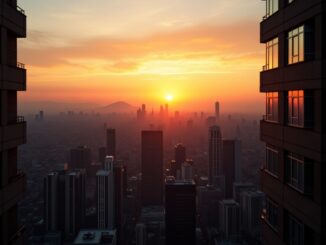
[229, 217]
[217, 111]
[101, 155]
[215, 153]
[12, 127]
[105, 196]
[251, 206]
[75, 202]
[111, 142]
[231, 164]
[80, 157]
[54, 204]
[119, 188]
[152, 168]
[293, 128]
[180, 158]
[180, 212]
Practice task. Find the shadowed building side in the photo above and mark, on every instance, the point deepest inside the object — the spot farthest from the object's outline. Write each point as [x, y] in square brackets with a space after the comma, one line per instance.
[152, 168]
[293, 79]
[12, 126]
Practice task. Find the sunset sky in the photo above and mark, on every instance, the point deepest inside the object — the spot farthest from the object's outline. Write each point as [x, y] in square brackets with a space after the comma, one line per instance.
[139, 51]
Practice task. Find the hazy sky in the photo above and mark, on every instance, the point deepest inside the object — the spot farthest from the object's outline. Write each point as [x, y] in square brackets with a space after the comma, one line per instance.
[101, 51]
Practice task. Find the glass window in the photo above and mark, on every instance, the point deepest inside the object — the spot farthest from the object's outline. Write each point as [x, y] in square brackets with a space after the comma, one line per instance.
[299, 173]
[296, 108]
[270, 213]
[297, 49]
[272, 106]
[296, 230]
[271, 7]
[272, 160]
[271, 54]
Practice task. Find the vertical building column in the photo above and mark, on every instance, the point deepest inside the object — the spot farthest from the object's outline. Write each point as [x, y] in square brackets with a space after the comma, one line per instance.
[282, 53]
[282, 107]
[4, 168]
[3, 45]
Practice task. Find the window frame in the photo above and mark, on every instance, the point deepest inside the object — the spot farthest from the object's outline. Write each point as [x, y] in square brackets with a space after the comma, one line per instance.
[272, 107]
[294, 225]
[272, 154]
[272, 7]
[272, 49]
[296, 108]
[271, 210]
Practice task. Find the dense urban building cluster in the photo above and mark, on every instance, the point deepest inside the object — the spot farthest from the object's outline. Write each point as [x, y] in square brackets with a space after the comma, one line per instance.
[173, 178]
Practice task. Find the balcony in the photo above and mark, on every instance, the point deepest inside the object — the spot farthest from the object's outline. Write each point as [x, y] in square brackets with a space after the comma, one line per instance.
[271, 185]
[13, 134]
[13, 77]
[288, 16]
[11, 193]
[304, 75]
[302, 207]
[295, 139]
[13, 18]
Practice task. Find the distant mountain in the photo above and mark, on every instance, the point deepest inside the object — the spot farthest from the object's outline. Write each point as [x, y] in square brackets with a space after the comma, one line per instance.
[119, 107]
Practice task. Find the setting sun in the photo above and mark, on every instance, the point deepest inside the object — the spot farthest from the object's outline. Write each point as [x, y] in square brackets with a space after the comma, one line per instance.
[169, 97]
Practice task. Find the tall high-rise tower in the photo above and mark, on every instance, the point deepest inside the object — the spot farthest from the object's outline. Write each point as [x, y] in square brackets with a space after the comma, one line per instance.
[80, 157]
[54, 204]
[105, 196]
[231, 164]
[12, 127]
[180, 158]
[215, 153]
[217, 111]
[111, 142]
[180, 212]
[293, 79]
[152, 168]
[75, 202]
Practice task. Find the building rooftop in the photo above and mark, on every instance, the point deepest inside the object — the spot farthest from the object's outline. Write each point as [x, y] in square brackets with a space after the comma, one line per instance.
[170, 180]
[95, 237]
[102, 173]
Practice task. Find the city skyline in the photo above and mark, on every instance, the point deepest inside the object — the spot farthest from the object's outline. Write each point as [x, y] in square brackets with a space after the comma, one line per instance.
[99, 52]
[147, 123]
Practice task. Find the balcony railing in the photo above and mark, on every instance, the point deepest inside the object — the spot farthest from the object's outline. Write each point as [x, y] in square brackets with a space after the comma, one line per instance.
[270, 118]
[20, 65]
[19, 9]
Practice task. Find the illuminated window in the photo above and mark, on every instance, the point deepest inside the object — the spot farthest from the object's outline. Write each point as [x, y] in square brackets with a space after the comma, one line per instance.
[271, 54]
[271, 7]
[271, 160]
[299, 173]
[272, 107]
[300, 108]
[296, 108]
[300, 44]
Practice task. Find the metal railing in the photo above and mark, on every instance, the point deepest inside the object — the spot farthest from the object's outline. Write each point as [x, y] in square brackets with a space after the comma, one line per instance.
[19, 9]
[20, 65]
